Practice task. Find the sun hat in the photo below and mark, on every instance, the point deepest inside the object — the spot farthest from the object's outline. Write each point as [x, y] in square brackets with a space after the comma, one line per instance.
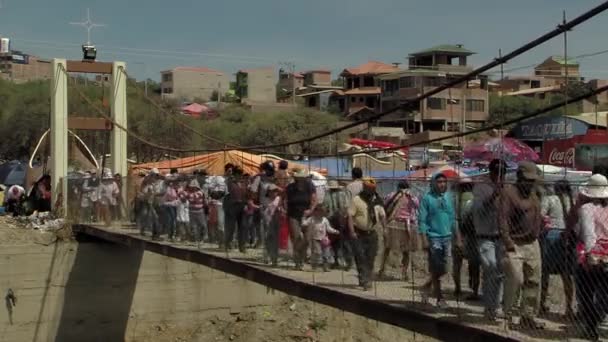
[596, 187]
[529, 170]
[194, 184]
[333, 184]
[301, 174]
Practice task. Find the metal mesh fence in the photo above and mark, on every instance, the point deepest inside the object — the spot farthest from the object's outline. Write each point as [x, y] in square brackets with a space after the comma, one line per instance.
[523, 259]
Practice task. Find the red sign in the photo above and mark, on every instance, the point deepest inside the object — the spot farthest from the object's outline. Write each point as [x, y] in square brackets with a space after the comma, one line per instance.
[562, 152]
[561, 157]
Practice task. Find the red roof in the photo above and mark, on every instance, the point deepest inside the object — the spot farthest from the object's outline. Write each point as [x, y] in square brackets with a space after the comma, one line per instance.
[195, 69]
[371, 67]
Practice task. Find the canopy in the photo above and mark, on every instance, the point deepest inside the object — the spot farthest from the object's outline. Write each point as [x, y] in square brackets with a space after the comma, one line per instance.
[213, 163]
[12, 173]
[509, 149]
[197, 110]
[375, 144]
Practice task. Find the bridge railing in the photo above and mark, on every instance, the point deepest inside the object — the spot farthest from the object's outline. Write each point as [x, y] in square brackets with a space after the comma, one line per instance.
[509, 257]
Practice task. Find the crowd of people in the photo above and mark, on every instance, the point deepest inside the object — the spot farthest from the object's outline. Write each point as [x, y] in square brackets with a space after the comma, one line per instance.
[514, 236]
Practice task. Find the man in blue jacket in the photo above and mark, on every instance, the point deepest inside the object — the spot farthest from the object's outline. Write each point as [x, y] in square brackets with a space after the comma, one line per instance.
[437, 225]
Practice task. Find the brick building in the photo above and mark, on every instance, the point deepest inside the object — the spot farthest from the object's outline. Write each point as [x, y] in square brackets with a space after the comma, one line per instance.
[187, 83]
[20, 67]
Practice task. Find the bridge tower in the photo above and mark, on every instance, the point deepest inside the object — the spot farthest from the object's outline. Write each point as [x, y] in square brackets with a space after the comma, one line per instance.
[60, 122]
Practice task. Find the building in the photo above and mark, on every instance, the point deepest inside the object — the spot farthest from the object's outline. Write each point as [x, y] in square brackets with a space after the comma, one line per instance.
[451, 110]
[361, 94]
[557, 67]
[257, 85]
[188, 83]
[549, 76]
[318, 78]
[20, 67]
[289, 81]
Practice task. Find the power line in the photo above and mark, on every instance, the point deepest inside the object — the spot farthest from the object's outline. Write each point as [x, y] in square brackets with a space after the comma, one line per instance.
[497, 61]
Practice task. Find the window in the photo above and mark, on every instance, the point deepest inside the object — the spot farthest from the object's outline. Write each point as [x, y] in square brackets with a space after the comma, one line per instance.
[368, 81]
[475, 105]
[353, 99]
[435, 103]
[407, 82]
[361, 99]
[168, 91]
[167, 77]
[370, 102]
[432, 82]
[535, 84]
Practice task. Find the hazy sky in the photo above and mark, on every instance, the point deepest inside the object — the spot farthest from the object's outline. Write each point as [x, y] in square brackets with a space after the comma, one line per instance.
[153, 35]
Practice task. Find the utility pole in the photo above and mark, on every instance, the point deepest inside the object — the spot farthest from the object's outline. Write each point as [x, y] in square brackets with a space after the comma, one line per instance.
[219, 95]
[291, 67]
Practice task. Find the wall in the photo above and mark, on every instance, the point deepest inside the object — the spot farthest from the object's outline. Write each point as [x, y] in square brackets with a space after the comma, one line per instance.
[95, 291]
[190, 84]
[262, 85]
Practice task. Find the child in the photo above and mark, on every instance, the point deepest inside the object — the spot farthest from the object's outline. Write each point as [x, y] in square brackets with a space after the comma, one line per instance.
[183, 216]
[319, 227]
[271, 216]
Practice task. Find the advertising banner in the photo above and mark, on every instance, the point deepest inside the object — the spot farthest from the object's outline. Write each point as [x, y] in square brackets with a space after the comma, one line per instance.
[547, 128]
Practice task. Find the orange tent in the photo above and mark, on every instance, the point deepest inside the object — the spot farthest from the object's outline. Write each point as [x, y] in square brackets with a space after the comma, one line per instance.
[214, 163]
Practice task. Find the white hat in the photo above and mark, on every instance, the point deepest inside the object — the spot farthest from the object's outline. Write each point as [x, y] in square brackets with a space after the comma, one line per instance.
[107, 175]
[154, 171]
[194, 184]
[301, 174]
[596, 187]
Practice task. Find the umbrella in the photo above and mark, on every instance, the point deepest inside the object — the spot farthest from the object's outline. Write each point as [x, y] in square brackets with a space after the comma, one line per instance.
[509, 149]
[12, 173]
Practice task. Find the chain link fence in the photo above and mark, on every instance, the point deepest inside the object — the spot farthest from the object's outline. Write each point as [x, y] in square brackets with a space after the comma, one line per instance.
[507, 257]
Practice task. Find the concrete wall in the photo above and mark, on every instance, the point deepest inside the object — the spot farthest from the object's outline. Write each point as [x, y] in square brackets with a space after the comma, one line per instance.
[188, 84]
[261, 85]
[95, 291]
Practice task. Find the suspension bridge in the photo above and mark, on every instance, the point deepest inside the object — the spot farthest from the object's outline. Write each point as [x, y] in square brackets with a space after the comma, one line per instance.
[397, 303]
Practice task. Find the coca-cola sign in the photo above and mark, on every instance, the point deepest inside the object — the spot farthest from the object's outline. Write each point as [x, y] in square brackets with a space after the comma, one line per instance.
[562, 157]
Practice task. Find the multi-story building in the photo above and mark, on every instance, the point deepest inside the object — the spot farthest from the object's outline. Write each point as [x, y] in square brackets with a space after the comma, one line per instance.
[20, 67]
[289, 81]
[452, 109]
[187, 83]
[257, 85]
[361, 92]
[549, 77]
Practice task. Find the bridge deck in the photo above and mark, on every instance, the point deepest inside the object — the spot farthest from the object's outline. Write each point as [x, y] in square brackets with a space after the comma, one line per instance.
[394, 302]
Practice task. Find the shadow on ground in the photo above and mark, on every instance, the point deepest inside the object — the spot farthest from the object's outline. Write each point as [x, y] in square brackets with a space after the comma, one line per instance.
[99, 292]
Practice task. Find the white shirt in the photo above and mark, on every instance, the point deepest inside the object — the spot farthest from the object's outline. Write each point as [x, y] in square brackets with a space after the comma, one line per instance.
[108, 192]
[183, 208]
[11, 196]
[319, 227]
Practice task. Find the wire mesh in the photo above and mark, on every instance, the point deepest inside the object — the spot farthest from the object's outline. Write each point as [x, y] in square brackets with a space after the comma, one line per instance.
[503, 256]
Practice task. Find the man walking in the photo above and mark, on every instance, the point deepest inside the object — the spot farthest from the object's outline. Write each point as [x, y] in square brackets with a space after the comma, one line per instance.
[520, 221]
[336, 202]
[491, 249]
[364, 213]
[437, 225]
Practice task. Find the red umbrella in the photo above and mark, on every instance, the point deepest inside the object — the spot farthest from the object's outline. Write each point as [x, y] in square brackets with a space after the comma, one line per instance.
[509, 149]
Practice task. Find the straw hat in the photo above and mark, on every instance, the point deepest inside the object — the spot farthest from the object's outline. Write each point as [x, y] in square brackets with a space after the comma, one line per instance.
[301, 174]
[194, 184]
[529, 170]
[333, 184]
[596, 187]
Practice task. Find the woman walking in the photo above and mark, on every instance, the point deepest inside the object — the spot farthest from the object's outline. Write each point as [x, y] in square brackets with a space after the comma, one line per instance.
[593, 255]
[557, 258]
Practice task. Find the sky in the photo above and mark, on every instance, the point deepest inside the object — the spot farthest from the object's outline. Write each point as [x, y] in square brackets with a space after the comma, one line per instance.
[229, 35]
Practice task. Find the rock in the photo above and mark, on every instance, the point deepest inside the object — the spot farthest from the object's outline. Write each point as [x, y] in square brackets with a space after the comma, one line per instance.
[246, 317]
